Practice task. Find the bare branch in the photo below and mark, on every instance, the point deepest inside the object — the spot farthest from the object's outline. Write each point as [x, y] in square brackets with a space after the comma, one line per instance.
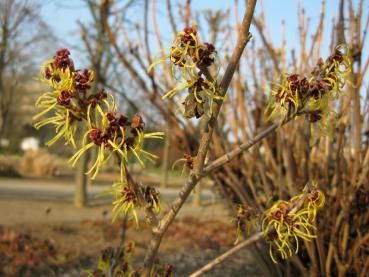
[163, 225]
[171, 19]
[227, 254]
[247, 242]
[237, 151]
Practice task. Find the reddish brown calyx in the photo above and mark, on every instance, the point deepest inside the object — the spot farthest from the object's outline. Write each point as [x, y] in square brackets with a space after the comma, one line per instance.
[62, 60]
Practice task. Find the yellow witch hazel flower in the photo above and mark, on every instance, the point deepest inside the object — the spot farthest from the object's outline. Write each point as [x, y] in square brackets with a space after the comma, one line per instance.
[285, 223]
[286, 96]
[64, 125]
[312, 95]
[115, 262]
[152, 196]
[190, 58]
[66, 100]
[71, 101]
[127, 198]
[187, 52]
[60, 78]
[196, 86]
[245, 220]
[114, 134]
[314, 201]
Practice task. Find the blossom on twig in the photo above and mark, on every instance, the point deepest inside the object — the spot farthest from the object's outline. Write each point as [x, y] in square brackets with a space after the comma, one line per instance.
[311, 95]
[285, 223]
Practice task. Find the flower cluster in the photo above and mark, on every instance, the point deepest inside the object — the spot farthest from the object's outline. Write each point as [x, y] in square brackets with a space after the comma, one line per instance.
[119, 262]
[71, 101]
[116, 262]
[114, 134]
[190, 58]
[314, 201]
[288, 221]
[311, 95]
[187, 51]
[111, 132]
[127, 199]
[151, 196]
[67, 99]
[245, 220]
[188, 162]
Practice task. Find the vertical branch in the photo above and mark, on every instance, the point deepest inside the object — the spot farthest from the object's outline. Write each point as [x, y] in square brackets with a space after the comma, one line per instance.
[273, 54]
[146, 32]
[168, 218]
[165, 163]
[283, 48]
[171, 19]
[164, 109]
[187, 13]
[167, 73]
[223, 87]
[240, 94]
[356, 55]
[317, 37]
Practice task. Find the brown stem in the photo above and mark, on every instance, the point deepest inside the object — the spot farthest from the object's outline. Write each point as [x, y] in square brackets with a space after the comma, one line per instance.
[243, 39]
[164, 223]
[245, 243]
[160, 230]
[243, 147]
[171, 18]
[227, 254]
[259, 26]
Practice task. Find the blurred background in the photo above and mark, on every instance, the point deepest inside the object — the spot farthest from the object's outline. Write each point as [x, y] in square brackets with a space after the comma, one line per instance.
[52, 223]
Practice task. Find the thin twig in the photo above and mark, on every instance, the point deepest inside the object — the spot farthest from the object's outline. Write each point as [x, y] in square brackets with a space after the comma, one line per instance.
[170, 16]
[227, 254]
[209, 266]
[241, 148]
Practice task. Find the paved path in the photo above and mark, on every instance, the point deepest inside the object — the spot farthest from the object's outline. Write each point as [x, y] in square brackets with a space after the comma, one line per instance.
[63, 190]
[45, 201]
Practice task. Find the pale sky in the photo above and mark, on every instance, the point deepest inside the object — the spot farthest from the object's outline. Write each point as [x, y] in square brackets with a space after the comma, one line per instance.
[63, 15]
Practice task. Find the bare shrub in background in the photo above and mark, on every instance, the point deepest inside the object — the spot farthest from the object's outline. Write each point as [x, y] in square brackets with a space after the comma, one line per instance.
[284, 161]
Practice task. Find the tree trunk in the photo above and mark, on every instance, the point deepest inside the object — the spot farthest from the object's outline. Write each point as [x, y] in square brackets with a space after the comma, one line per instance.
[165, 164]
[81, 181]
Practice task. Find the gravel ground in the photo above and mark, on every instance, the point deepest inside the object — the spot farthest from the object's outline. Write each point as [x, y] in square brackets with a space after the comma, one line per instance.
[240, 265]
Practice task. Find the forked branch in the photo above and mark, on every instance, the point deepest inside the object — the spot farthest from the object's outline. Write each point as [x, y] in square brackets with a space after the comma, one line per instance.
[164, 223]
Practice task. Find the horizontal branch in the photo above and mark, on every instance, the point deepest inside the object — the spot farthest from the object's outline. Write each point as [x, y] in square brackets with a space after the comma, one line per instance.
[241, 148]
